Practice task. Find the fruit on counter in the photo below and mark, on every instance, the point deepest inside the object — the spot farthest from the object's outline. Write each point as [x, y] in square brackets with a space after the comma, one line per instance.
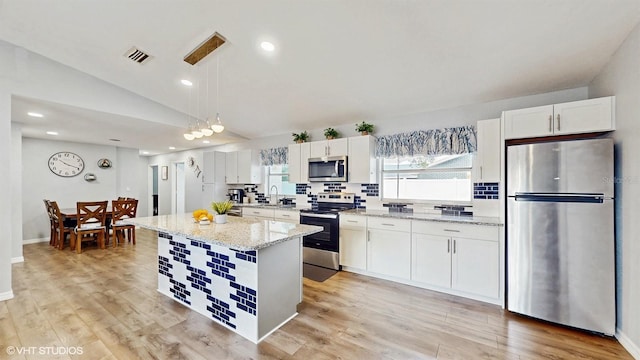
[202, 214]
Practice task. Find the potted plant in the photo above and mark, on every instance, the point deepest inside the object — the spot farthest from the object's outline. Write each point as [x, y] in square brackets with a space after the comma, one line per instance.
[330, 133]
[364, 128]
[301, 137]
[221, 209]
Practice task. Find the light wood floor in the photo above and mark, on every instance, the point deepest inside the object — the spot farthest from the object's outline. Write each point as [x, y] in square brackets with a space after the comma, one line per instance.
[105, 301]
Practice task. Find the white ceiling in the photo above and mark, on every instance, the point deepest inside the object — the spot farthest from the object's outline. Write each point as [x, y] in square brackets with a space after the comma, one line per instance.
[336, 62]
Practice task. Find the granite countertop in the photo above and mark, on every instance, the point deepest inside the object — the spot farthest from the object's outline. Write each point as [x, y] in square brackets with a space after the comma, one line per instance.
[238, 233]
[268, 206]
[472, 220]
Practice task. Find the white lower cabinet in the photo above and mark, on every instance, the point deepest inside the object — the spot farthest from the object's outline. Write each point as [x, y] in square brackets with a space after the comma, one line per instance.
[287, 216]
[389, 247]
[353, 242]
[464, 258]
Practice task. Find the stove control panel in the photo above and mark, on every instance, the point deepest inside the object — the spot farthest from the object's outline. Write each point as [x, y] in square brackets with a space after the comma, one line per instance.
[336, 197]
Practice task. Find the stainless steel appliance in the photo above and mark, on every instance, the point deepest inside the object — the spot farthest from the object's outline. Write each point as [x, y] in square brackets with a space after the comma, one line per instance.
[330, 168]
[323, 248]
[560, 235]
[236, 195]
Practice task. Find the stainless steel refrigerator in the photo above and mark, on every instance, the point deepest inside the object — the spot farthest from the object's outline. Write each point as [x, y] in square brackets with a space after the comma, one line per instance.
[560, 233]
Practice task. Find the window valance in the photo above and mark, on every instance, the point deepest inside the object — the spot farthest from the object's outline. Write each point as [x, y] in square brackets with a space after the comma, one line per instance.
[447, 141]
[274, 156]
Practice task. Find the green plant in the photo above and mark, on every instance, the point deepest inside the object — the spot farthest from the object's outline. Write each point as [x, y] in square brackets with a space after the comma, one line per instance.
[364, 127]
[330, 133]
[301, 137]
[221, 207]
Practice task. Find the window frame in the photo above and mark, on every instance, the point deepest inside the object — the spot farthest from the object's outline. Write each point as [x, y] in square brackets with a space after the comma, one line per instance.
[427, 171]
[268, 184]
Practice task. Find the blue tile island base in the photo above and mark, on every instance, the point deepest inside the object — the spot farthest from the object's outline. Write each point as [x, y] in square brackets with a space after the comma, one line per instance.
[245, 275]
[251, 292]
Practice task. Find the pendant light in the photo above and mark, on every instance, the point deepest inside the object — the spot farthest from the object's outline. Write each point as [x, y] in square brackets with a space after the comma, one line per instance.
[217, 126]
[188, 134]
[205, 129]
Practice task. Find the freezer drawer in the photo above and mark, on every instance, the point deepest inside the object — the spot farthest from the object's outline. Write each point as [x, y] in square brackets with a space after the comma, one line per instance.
[561, 262]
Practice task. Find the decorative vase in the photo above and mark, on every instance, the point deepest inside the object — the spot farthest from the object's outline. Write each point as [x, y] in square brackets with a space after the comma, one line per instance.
[330, 137]
[299, 141]
[221, 218]
[364, 132]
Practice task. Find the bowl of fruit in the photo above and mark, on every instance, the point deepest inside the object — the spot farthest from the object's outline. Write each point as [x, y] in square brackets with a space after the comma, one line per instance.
[202, 217]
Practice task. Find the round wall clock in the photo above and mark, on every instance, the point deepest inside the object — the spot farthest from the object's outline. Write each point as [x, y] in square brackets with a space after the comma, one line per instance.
[66, 164]
[104, 163]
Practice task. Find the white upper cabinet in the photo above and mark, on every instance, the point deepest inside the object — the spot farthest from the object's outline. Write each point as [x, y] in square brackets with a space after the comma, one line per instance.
[242, 167]
[299, 163]
[362, 161]
[336, 147]
[213, 167]
[575, 117]
[486, 165]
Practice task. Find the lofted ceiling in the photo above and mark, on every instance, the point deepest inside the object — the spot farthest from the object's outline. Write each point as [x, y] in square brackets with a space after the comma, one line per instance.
[335, 62]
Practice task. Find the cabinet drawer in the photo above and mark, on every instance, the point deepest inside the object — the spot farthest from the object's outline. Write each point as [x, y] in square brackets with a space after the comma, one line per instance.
[353, 221]
[292, 216]
[389, 224]
[257, 212]
[456, 230]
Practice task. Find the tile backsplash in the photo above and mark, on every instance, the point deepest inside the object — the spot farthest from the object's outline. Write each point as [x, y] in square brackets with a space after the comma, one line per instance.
[364, 193]
[485, 191]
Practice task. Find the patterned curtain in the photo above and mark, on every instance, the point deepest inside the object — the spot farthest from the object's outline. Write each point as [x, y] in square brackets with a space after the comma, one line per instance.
[448, 141]
[274, 156]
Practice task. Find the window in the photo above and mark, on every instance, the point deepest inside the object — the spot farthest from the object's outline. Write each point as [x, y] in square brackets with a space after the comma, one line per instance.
[428, 178]
[278, 175]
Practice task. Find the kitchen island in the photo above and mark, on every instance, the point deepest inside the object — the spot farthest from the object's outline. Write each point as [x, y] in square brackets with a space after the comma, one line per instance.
[245, 275]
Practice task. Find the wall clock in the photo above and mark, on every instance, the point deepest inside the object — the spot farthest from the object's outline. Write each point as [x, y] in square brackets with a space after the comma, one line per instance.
[66, 164]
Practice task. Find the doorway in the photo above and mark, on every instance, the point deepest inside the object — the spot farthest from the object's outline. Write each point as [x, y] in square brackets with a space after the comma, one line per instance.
[154, 190]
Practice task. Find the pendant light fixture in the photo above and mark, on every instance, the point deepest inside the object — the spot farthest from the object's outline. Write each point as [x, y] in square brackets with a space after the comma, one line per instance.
[195, 131]
[205, 129]
[188, 133]
[217, 126]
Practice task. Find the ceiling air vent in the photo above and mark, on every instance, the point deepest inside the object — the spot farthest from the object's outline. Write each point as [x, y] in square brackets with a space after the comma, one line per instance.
[138, 55]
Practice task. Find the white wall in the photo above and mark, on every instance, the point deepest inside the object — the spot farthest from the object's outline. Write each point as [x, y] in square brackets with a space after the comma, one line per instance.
[5, 196]
[621, 77]
[16, 192]
[131, 177]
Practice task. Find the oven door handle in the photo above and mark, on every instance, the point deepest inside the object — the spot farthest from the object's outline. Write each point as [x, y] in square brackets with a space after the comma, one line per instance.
[324, 216]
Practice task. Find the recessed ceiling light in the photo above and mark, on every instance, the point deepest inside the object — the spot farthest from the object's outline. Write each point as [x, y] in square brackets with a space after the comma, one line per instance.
[34, 114]
[205, 141]
[52, 133]
[186, 82]
[145, 153]
[267, 46]
[172, 147]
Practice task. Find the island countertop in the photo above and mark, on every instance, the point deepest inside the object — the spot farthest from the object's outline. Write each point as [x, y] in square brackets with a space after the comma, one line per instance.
[238, 233]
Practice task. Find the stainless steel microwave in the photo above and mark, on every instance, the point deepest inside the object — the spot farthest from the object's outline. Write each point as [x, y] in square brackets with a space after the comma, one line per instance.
[331, 168]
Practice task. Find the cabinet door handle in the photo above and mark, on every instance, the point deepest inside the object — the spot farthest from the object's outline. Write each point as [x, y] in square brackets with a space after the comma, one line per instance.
[480, 172]
[368, 236]
[558, 119]
[386, 224]
[448, 246]
[454, 246]
[451, 230]
[286, 215]
[352, 221]
[550, 123]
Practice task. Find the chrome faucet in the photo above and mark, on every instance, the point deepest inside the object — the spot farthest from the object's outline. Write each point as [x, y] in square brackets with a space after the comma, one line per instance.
[273, 186]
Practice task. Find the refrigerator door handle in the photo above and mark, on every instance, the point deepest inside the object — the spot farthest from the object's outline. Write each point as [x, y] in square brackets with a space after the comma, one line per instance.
[575, 198]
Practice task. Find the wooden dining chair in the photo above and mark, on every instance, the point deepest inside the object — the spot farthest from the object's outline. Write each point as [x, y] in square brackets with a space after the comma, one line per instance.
[121, 210]
[91, 217]
[60, 229]
[47, 206]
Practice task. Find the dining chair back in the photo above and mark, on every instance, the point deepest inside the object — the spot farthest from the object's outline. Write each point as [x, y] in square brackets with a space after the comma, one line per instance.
[122, 210]
[47, 206]
[91, 218]
[60, 229]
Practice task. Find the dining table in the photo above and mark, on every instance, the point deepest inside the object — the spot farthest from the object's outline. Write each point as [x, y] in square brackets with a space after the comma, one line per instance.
[70, 216]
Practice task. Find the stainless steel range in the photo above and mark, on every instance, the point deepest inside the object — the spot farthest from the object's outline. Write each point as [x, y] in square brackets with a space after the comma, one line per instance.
[323, 248]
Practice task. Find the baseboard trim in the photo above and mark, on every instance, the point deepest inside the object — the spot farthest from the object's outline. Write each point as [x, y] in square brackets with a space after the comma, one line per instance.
[18, 259]
[34, 241]
[629, 345]
[6, 295]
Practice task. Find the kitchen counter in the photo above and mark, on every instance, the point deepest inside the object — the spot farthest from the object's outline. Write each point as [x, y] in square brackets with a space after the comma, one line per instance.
[472, 220]
[245, 275]
[238, 233]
